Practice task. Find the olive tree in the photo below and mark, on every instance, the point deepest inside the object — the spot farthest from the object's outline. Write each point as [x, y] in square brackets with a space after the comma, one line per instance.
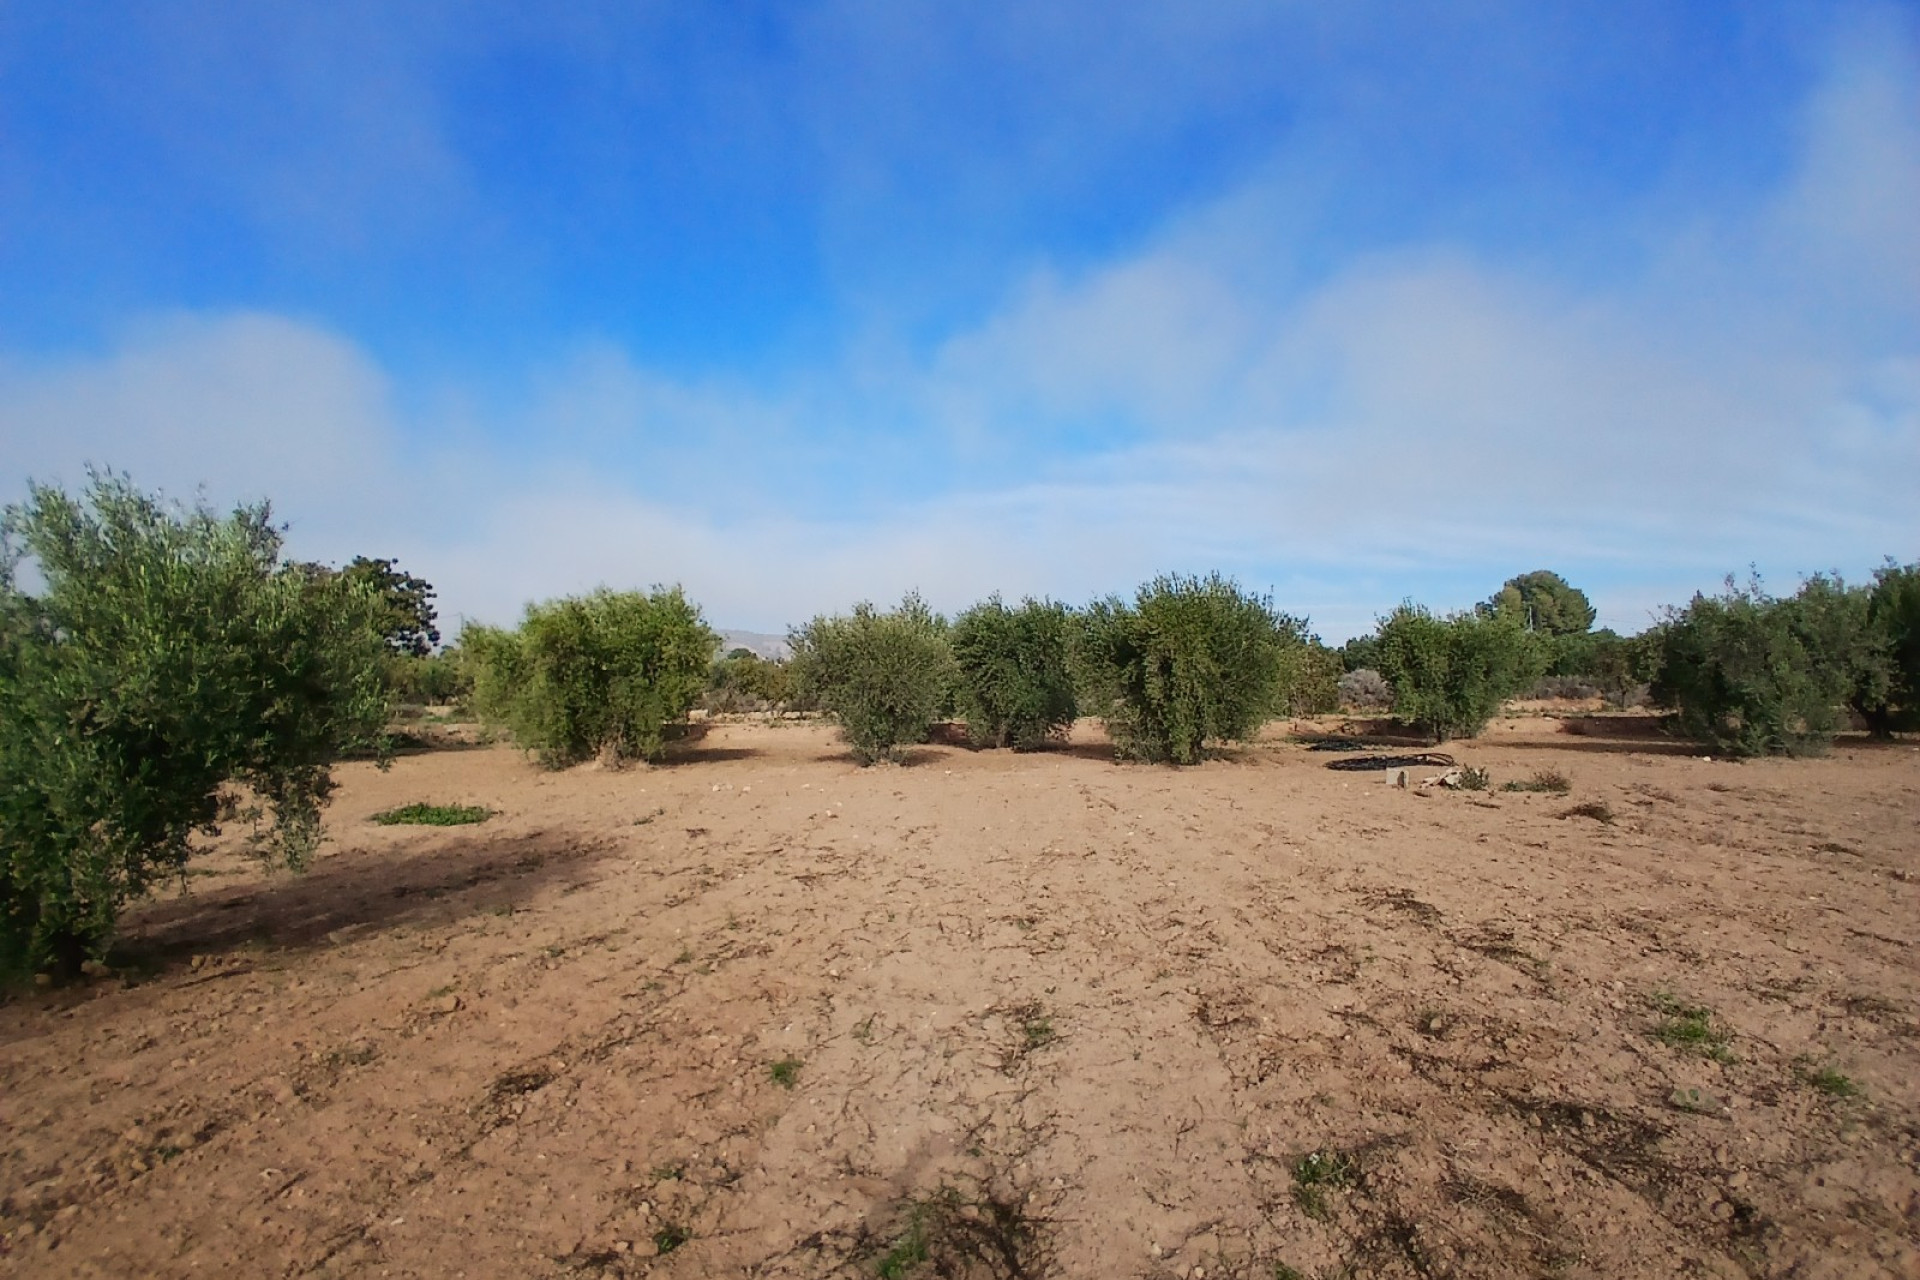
[1015, 681]
[1188, 662]
[1750, 674]
[164, 672]
[595, 675]
[1449, 675]
[1893, 620]
[884, 675]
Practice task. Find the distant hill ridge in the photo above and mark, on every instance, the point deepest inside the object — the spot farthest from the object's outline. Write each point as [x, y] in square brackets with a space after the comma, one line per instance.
[761, 642]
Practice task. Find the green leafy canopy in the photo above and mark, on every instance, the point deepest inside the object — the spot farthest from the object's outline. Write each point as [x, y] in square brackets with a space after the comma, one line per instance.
[169, 664]
[1189, 662]
[1016, 685]
[1450, 674]
[1749, 674]
[1542, 601]
[600, 674]
[884, 675]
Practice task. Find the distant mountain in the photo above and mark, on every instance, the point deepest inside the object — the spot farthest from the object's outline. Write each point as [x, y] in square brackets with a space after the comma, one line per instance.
[767, 646]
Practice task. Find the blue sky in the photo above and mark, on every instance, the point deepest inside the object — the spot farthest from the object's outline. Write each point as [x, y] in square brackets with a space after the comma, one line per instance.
[803, 304]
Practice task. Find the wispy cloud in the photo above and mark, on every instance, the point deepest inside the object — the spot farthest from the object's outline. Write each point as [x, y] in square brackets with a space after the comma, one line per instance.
[1421, 416]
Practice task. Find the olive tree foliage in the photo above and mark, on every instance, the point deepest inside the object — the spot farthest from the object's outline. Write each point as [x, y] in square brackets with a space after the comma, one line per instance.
[414, 673]
[165, 672]
[1893, 620]
[1542, 601]
[1015, 679]
[1741, 678]
[742, 680]
[444, 677]
[1310, 674]
[885, 676]
[1750, 674]
[1450, 674]
[1189, 662]
[595, 675]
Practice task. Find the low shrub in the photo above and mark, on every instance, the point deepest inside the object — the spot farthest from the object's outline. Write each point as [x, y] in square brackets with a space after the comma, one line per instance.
[1690, 1028]
[1318, 1173]
[884, 676]
[1015, 683]
[601, 674]
[421, 814]
[1189, 662]
[1365, 689]
[1630, 698]
[1475, 779]
[1549, 781]
[1831, 1082]
[1567, 688]
[1450, 675]
[948, 1234]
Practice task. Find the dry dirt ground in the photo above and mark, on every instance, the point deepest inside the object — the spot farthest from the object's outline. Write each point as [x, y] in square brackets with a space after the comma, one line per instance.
[760, 1012]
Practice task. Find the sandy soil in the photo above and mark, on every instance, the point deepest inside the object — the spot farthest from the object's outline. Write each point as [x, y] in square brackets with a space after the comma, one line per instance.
[763, 1013]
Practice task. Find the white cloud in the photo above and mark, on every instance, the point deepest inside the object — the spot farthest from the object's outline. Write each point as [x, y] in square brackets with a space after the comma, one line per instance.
[1848, 217]
[1155, 338]
[1423, 421]
[247, 405]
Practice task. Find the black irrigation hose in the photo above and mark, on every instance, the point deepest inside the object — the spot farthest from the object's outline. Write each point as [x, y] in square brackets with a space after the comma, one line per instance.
[1361, 764]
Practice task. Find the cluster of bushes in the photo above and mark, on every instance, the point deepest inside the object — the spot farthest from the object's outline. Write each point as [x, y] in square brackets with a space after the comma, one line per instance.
[1188, 662]
[1598, 664]
[1448, 675]
[1742, 672]
[413, 673]
[429, 680]
[1195, 661]
[1751, 674]
[405, 618]
[168, 671]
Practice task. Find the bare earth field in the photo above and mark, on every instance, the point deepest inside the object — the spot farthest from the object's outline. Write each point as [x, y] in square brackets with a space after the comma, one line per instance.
[760, 1012]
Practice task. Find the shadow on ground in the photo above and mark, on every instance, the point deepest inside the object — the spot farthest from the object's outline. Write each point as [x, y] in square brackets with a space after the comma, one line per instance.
[678, 755]
[362, 891]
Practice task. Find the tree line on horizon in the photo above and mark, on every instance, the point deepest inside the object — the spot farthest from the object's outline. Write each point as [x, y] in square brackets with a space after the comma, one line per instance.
[171, 672]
